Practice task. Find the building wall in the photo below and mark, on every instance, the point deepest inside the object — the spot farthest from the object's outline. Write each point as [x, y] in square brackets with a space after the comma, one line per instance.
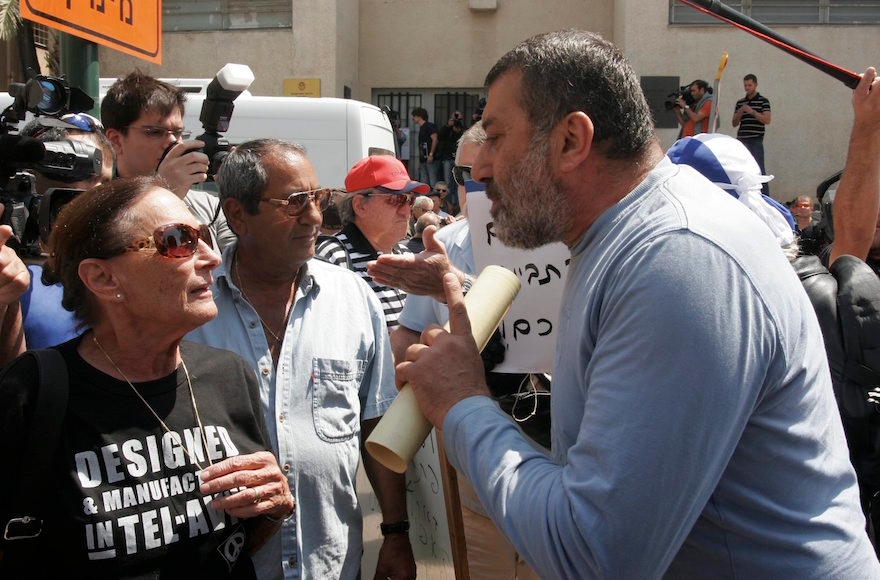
[429, 46]
[807, 138]
[424, 43]
[321, 45]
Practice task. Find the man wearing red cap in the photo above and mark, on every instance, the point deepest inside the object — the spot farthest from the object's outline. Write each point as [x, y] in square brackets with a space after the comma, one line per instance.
[374, 215]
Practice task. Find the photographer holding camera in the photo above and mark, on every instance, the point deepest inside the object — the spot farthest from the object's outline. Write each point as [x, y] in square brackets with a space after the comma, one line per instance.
[143, 117]
[694, 119]
[32, 315]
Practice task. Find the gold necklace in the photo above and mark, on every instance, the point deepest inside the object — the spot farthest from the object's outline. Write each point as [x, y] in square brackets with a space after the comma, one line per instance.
[243, 293]
[192, 397]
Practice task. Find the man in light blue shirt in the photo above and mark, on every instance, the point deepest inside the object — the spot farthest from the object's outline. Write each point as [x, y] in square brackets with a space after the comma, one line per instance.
[694, 427]
[316, 337]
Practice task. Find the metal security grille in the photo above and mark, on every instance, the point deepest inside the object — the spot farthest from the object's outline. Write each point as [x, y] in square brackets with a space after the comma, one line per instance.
[787, 12]
[181, 15]
[41, 35]
[401, 103]
[445, 104]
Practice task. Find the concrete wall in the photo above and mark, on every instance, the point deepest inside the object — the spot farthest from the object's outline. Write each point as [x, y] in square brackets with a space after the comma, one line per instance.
[806, 140]
[322, 45]
[425, 43]
[429, 45]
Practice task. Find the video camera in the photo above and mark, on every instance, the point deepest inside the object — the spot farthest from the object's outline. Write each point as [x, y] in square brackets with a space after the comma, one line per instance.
[229, 82]
[66, 161]
[683, 92]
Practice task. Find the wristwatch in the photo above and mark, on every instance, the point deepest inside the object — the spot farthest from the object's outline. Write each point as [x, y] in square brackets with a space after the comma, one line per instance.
[466, 285]
[401, 527]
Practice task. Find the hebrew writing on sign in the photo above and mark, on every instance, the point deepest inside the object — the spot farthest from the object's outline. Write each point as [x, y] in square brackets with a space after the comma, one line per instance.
[131, 27]
[529, 329]
[429, 531]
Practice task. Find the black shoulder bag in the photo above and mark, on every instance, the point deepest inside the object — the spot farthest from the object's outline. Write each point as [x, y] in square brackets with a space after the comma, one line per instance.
[26, 513]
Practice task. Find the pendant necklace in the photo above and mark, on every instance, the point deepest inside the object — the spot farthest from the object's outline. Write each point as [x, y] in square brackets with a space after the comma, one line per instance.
[265, 326]
[192, 397]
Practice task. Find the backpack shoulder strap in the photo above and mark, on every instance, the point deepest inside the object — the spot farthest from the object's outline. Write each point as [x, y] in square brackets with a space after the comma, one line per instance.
[40, 444]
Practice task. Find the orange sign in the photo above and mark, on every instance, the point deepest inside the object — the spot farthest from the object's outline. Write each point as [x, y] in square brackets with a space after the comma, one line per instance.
[130, 26]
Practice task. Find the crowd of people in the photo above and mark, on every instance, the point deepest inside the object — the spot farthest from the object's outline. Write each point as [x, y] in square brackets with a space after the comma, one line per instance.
[220, 360]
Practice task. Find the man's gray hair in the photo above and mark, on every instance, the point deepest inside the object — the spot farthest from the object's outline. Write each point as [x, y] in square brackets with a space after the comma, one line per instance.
[242, 175]
[575, 70]
[427, 219]
[346, 208]
[423, 202]
[475, 135]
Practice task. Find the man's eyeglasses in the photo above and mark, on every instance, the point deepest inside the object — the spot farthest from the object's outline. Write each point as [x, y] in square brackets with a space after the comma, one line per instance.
[395, 199]
[174, 240]
[160, 133]
[296, 203]
[461, 173]
[83, 122]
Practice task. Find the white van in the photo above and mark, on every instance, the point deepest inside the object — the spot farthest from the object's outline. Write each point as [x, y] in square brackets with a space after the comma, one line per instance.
[335, 132]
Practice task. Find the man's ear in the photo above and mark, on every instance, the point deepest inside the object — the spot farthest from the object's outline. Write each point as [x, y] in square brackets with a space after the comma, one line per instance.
[115, 138]
[359, 204]
[98, 276]
[235, 214]
[571, 141]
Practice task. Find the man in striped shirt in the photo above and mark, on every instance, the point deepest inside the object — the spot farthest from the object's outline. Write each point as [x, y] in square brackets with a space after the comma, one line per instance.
[751, 115]
[374, 214]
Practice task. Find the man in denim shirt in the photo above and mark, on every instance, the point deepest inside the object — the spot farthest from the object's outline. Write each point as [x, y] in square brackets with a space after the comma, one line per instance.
[316, 337]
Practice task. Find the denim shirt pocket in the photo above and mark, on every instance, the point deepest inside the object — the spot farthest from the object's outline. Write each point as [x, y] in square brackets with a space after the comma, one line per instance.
[336, 405]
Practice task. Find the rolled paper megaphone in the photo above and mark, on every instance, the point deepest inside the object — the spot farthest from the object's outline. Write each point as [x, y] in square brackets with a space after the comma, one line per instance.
[402, 430]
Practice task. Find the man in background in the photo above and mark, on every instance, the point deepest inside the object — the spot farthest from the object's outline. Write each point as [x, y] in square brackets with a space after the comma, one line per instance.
[695, 120]
[751, 116]
[143, 118]
[316, 338]
[375, 214]
[429, 162]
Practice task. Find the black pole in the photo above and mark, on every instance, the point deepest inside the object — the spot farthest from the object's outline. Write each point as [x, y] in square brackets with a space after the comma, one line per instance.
[27, 51]
[723, 12]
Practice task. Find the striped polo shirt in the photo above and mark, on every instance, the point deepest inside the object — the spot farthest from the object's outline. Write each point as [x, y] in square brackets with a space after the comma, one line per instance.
[350, 245]
[750, 127]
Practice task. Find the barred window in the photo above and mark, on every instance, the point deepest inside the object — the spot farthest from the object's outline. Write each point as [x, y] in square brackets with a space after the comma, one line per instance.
[41, 35]
[794, 12]
[204, 15]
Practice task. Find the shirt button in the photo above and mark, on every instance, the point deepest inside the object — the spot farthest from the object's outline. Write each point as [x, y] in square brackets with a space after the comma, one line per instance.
[281, 418]
[291, 561]
[265, 372]
[286, 467]
[252, 324]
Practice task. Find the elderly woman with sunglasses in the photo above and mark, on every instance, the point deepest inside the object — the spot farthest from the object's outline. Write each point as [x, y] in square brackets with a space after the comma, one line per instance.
[160, 466]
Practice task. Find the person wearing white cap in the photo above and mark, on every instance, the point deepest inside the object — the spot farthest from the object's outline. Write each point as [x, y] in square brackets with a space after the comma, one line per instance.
[375, 214]
[727, 163]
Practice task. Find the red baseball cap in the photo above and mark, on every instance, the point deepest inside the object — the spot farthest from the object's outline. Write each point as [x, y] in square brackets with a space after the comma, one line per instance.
[382, 171]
